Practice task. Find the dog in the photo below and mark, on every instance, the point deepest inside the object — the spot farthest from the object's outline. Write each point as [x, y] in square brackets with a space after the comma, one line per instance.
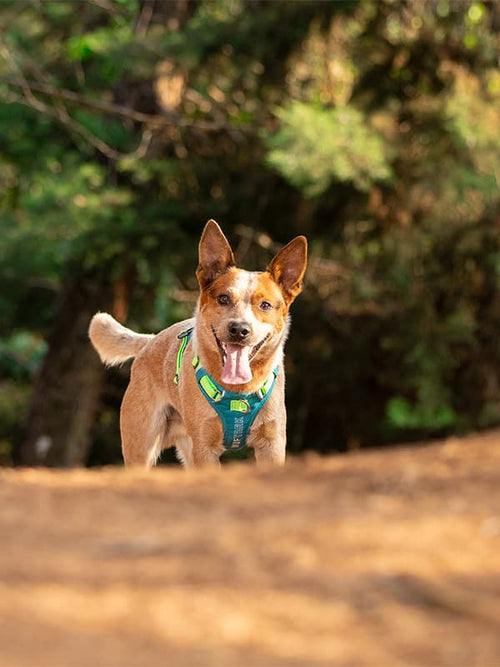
[214, 382]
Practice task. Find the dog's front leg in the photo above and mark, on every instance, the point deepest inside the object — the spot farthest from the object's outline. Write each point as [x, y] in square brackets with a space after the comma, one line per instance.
[269, 443]
[203, 457]
[142, 423]
[271, 454]
[206, 436]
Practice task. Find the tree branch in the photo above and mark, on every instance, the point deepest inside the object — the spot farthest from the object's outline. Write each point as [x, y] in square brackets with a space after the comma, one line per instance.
[153, 121]
[59, 112]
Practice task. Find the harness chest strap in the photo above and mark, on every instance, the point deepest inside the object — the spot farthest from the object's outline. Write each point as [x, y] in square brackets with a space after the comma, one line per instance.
[237, 412]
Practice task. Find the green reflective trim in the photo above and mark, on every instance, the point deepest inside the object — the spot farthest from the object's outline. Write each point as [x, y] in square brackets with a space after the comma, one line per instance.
[195, 362]
[268, 384]
[210, 388]
[185, 337]
[239, 405]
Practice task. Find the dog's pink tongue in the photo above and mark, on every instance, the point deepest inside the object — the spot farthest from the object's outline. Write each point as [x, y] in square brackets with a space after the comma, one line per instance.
[237, 367]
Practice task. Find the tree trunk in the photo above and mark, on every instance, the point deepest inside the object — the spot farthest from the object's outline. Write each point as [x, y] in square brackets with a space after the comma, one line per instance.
[67, 388]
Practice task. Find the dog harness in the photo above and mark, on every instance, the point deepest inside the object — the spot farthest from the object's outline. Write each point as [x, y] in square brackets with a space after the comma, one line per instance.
[237, 412]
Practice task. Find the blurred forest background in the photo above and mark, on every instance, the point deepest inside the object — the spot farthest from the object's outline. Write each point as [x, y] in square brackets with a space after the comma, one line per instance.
[372, 127]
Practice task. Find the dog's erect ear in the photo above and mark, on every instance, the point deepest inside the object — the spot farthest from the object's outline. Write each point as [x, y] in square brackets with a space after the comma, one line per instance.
[215, 254]
[288, 267]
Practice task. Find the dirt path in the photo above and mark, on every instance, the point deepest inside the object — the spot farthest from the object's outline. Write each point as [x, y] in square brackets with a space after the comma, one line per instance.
[378, 558]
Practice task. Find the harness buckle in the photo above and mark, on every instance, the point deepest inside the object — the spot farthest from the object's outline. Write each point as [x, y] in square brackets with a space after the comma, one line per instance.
[185, 333]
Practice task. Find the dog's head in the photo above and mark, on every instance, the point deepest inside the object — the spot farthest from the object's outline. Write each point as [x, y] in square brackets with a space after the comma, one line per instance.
[242, 315]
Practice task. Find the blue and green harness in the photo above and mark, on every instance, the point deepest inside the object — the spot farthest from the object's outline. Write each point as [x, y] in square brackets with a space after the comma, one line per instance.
[237, 412]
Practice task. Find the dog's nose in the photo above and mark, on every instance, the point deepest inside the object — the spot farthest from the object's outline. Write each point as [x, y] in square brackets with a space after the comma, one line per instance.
[238, 331]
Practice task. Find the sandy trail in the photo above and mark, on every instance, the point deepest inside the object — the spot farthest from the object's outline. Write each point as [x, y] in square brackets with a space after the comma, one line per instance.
[376, 558]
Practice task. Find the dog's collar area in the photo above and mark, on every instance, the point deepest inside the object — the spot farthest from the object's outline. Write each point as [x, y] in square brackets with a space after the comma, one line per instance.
[237, 412]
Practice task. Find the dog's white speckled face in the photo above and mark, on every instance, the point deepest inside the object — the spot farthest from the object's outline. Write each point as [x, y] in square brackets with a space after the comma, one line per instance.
[244, 313]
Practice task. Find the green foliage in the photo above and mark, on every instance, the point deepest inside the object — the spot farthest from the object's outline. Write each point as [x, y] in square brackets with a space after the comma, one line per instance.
[14, 404]
[21, 353]
[316, 146]
[435, 415]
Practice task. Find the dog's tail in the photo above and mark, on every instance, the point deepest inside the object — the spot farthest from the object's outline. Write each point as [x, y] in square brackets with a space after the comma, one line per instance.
[114, 342]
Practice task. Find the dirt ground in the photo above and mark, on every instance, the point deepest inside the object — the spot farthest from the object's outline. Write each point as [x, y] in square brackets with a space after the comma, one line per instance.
[375, 558]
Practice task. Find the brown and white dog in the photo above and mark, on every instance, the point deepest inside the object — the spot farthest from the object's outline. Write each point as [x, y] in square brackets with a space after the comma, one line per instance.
[238, 334]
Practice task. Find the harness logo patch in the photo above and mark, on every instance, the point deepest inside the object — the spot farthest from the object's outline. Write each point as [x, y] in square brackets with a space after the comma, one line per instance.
[238, 431]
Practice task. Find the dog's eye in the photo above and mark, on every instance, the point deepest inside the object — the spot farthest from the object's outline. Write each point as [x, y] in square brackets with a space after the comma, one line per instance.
[223, 300]
[265, 305]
